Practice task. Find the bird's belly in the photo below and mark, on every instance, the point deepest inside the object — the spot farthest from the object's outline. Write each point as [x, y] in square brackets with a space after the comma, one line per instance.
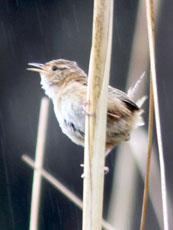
[116, 132]
[72, 122]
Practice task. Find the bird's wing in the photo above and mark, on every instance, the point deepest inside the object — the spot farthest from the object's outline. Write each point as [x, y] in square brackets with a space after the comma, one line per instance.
[123, 97]
[119, 104]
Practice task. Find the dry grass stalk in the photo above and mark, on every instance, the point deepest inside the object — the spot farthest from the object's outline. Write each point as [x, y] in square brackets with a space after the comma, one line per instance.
[36, 188]
[150, 135]
[122, 207]
[151, 38]
[119, 201]
[60, 187]
[97, 105]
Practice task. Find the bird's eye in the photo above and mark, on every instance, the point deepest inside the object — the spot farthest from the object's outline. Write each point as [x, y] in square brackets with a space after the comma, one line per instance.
[54, 68]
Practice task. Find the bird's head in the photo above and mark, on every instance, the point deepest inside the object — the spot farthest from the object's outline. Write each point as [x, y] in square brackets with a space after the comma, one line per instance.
[55, 73]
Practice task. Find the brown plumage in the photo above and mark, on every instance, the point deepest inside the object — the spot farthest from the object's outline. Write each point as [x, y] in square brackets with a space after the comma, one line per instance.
[66, 84]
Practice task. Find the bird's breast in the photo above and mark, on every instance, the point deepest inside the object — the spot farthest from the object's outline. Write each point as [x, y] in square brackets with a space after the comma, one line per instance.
[69, 113]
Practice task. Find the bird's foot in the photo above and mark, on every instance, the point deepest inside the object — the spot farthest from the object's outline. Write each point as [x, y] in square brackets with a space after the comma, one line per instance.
[82, 165]
[85, 109]
[106, 170]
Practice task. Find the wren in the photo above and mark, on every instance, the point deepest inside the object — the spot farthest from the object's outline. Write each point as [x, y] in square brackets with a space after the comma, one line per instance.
[66, 84]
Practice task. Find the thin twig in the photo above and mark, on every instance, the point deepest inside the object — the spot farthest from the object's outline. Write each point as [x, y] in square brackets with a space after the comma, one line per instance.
[57, 184]
[151, 38]
[36, 188]
[150, 135]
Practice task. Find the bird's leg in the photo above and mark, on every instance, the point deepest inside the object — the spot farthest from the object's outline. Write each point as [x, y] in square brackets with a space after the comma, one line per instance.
[106, 169]
[108, 150]
[85, 109]
[116, 116]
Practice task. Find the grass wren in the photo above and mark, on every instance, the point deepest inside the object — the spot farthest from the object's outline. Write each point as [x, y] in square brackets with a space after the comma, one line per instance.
[66, 84]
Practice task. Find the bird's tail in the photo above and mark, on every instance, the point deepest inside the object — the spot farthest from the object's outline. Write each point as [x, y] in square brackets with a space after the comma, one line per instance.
[132, 93]
[134, 90]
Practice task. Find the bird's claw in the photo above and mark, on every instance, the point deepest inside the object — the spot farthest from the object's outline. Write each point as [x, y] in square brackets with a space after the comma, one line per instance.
[106, 170]
[85, 110]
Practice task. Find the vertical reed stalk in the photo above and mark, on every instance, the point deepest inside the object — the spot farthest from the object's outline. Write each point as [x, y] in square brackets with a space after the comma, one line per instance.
[151, 38]
[96, 124]
[147, 175]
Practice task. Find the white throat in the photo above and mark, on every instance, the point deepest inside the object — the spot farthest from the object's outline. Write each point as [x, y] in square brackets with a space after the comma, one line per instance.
[50, 90]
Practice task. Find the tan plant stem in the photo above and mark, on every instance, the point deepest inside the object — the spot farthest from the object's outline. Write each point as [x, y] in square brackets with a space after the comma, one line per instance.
[95, 128]
[58, 185]
[147, 175]
[151, 38]
[39, 155]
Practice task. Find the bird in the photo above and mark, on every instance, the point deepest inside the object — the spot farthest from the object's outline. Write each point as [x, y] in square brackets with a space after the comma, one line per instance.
[65, 83]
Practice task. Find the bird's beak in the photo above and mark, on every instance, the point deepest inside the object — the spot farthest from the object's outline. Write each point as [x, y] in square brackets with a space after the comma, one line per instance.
[39, 68]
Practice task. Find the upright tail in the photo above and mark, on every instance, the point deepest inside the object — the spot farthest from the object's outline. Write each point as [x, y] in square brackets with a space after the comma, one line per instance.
[134, 90]
[132, 93]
